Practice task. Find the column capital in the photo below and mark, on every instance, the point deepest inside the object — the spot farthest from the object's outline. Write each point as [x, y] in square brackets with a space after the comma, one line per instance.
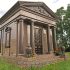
[48, 25]
[33, 20]
[54, 26]
[20, 20]
[32, 23]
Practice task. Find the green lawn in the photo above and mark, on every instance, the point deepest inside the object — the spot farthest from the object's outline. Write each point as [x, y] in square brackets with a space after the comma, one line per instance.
[8, 66]
[63, 65]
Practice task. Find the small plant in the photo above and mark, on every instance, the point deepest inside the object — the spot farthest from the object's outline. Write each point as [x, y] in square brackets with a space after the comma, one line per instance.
[60, 52]
[29, 52]
[57, 53]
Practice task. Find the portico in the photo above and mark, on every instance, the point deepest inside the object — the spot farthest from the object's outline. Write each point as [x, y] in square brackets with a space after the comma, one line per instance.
[34, 34]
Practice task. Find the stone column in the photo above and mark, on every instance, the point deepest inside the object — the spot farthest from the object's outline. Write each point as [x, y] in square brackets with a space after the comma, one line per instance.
[2, 41]
[21, 46]
[54, 37]
[44, 41]
[48, 38]
[16, 38]
[32, 37]
[2, 36]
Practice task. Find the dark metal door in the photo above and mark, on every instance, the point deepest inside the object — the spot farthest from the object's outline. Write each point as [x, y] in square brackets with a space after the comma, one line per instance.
[38, 40]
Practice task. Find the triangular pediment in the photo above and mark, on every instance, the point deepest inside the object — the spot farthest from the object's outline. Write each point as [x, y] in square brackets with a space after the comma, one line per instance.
[39, 10]
[39, 7]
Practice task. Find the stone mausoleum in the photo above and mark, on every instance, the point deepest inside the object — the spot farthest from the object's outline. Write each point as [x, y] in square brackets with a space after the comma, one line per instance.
[28, 25]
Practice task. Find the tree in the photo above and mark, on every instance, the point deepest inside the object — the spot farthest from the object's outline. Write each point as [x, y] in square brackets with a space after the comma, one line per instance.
[67, 25]
[60, 31]
[63, 26]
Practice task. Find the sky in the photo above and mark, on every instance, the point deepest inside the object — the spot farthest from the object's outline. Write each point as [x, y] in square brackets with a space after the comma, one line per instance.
[5, 5]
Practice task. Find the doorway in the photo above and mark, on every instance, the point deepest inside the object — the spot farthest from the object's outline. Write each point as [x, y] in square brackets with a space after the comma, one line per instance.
[38, 40]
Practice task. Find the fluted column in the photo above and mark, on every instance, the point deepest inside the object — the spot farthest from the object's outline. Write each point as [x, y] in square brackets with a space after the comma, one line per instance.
[32, 37]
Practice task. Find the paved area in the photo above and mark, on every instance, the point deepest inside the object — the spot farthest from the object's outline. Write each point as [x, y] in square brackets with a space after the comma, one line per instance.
[37, 60]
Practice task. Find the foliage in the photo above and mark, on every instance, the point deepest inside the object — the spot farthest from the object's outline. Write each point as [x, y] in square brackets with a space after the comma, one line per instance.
[63, 27]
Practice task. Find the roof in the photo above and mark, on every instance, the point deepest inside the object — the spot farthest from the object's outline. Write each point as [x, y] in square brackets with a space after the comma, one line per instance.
[24, 4]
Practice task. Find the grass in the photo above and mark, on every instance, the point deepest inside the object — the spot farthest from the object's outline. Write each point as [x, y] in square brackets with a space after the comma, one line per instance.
[68, 53]
[63, 65]
[8, 66]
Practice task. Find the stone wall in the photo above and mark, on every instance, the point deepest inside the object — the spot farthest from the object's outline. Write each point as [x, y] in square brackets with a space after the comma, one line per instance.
[12, 50]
